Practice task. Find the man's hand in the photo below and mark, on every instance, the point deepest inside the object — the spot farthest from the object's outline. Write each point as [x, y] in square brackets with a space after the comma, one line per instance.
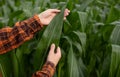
[53, 56]
[48, 15]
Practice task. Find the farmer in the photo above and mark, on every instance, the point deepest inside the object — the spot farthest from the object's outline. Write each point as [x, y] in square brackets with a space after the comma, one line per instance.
[11, 38]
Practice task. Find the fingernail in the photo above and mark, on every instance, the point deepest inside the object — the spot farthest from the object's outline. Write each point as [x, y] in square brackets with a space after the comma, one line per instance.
[58, 48]
[64, 18]
[59, 10]
[53, 44]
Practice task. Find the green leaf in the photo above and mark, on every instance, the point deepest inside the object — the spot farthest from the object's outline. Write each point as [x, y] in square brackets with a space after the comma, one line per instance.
[51, 35]
[16, 72]
[83, 20]
[115, 61]
[78, 46]
[76, 68]
[106, 66]
[118, 72]
[115, 36]
[113, 15]
[12, 5]
[5, 65]
[82, 38]
[85, 4]
[82, 68]
[72, 64]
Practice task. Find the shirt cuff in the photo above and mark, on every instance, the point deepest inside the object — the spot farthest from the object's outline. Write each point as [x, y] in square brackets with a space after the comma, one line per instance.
[36, 17]
[50, 66]
[47, 70]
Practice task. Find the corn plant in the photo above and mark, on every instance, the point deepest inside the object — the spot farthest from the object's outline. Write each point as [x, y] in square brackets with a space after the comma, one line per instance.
[89, 38]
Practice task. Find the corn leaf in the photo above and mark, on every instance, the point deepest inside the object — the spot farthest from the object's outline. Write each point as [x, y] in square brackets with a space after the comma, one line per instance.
[82, 68]
[118, 72]
[51, 35]
[5, 65]
[115, 61]
[73, 70]
[21, 63]
[85, 4]
[82, 38]
[83, 20]
[115, 36]
[72, 64]
[78, 46]
[15, 64]
[113, 15]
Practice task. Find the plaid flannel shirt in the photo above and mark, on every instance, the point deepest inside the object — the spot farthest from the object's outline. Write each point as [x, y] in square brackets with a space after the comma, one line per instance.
[11, 38]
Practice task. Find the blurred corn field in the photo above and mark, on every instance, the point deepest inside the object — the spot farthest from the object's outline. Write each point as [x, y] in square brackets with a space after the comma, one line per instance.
[89, 38]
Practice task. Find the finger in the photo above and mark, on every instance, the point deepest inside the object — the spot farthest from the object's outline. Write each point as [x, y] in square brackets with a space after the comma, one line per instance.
[67, 10]
[58, 52]
[66, 14]
[64, 18]
[52, 48]
[55, 10]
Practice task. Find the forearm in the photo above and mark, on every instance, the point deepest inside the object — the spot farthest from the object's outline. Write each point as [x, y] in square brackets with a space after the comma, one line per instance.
[47, 70]
[11, 38]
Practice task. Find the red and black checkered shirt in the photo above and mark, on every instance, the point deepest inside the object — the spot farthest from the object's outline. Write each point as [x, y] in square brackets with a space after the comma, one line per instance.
[11, 38]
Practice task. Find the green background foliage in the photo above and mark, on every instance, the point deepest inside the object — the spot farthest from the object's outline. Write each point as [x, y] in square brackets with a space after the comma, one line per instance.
[90, 38]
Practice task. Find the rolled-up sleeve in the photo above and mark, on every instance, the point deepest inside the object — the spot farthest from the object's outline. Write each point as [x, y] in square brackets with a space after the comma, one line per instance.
[11, 38]
[47, 70]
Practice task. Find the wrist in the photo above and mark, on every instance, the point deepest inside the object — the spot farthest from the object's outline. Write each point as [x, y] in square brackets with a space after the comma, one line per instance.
[39, 20]
[51, 64]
